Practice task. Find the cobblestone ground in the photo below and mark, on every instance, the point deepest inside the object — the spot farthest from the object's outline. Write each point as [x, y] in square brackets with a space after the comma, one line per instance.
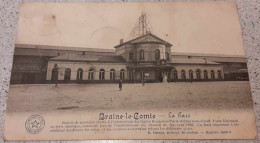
[196, 95]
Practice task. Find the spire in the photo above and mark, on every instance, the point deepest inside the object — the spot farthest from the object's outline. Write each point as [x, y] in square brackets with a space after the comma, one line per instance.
[141, 27]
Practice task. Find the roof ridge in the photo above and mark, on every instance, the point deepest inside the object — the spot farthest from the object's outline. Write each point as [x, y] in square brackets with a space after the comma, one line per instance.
[64, 48]
[206, 54]
[142, 37]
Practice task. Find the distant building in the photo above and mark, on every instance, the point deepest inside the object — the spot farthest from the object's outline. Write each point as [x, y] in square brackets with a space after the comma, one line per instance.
[146, 57]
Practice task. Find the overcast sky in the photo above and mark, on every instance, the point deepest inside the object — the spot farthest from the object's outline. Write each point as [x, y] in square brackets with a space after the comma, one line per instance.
[194, 27]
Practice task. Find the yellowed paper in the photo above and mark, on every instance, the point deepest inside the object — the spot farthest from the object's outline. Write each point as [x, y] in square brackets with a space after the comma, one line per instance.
[157, 70]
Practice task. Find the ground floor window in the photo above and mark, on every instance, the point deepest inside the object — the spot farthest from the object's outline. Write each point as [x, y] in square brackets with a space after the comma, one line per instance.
[67, 74]
[183, 75]
[190, 74]
[206, 74]
[122, 74]
[112, 74]
[212, 74]
[79, 74]
[175, 74]
[131, 75]
[102, 74]
[219, 74]
[198, 74]
[91, 74]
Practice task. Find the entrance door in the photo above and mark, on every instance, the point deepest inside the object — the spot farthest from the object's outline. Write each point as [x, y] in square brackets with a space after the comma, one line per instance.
[160, 76]
[67, 74]
[54, 75]
[164, 75]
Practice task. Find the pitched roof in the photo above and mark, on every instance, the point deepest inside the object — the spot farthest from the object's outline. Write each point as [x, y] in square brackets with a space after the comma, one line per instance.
[51, 51]
[205, 55]
[192, 61]
[221, 58]
[67, 48]
[145, 39]
[88, 58]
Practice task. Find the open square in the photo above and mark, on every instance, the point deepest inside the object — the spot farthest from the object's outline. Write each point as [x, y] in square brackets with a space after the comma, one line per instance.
[180, 95]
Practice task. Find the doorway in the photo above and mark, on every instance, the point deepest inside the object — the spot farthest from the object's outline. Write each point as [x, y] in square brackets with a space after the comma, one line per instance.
[67, 74]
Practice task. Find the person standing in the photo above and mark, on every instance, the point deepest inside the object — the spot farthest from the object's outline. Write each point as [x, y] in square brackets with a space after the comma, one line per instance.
[120, 85]
[56, 75]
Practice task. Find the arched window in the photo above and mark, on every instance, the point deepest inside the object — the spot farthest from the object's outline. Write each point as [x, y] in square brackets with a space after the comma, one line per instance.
[67, 74]
[131, 55]
[91, 74]
[219, 74]
[167, 56]
[157, 54]
[206, 74]
[190, 74]
[141, 55]
[101, 74]
[183, 74]
[175, 74]
[198, 72]
[79, 74]
[131, 75]
[212, 74]
[54, 74]
[122, 74]
[112, 74]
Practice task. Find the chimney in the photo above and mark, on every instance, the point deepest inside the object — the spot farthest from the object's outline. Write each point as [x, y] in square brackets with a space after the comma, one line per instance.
[121, 41]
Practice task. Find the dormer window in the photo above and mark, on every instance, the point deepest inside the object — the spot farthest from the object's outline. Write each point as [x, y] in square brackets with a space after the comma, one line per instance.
[141, 55]
[157, 54]
[131, 55]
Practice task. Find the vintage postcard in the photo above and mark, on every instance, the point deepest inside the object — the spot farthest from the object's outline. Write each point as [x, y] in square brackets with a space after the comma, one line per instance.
[137, 70]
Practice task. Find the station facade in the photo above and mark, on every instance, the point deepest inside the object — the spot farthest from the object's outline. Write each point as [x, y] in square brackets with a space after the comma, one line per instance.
[147, 57]
[143, 58]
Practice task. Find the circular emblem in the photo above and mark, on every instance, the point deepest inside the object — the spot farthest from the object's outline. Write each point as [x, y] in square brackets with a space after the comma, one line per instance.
[163, 62]
[34, 124]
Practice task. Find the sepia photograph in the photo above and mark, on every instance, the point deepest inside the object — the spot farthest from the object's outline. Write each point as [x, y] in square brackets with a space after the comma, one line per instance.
[72, 58]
